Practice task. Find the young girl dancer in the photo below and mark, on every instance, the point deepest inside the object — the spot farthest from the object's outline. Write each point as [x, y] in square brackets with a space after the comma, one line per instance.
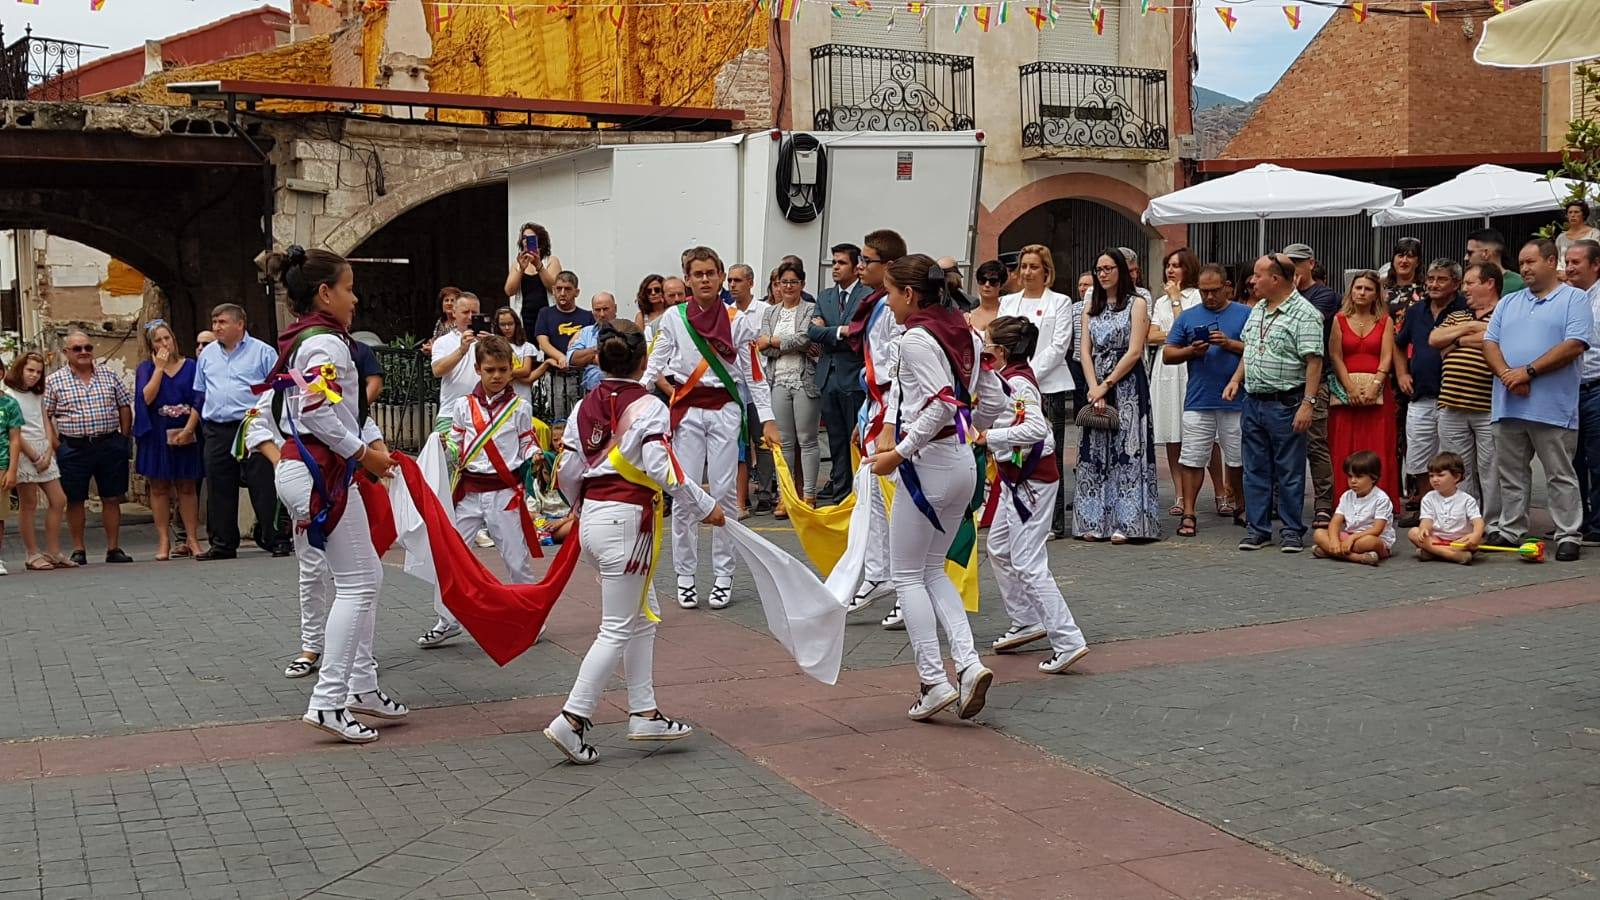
[320, 420]
[937, 375]
[616, 446]
[1025, 450]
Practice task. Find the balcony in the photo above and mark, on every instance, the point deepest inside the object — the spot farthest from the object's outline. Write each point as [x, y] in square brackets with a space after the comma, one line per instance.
[877, 89]
[35, 68]
[1082, 111]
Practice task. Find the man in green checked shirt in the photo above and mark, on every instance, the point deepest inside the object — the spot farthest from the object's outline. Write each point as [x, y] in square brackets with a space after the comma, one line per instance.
[1279, 373]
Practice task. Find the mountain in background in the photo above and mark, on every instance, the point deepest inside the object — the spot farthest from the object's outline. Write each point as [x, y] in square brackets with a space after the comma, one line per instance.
[1218, 117]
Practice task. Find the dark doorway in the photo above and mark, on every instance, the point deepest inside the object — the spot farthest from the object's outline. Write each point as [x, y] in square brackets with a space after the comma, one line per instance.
[1075, 231]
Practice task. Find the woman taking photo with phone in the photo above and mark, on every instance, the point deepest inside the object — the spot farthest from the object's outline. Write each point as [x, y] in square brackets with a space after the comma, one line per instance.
[533, 272]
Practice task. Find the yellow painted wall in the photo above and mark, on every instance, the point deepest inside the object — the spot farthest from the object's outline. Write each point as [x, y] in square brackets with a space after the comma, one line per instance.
[122, 280]
[304, 62]
[660, 55]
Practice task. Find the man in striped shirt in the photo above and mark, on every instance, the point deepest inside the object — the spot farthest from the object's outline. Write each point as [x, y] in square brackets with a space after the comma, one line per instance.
[93, 413]
[1466, 388]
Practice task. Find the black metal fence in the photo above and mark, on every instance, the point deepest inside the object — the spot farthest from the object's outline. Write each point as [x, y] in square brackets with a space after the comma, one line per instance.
[409, 404]
[879, 89]
[1073, 105]
[36, 68]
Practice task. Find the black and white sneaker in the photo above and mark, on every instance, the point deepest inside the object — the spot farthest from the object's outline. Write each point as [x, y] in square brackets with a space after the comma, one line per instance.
[441, 632]
[377, 704]
[569, 739]
[1018, 636]
[301, 667]
[721, 596]
[975, 681]
[894, 621]
[687, 598]
[869, 592]
[656, 727]
[1060, 662]
[1255, 542]
[339, 724]
[932, 699]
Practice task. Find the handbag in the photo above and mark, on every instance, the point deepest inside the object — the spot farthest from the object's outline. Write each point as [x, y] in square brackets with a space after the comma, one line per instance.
[1099, 419]
[1337, 396]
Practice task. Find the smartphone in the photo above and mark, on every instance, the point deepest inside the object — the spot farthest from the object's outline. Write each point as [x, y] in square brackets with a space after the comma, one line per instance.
[480, 324]
[530, 243]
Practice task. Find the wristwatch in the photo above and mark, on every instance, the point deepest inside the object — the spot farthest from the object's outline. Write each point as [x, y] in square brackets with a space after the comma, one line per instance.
[1532, 372]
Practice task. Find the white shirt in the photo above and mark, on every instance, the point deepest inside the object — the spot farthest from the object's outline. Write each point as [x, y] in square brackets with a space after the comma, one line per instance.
[1590, 364]
[644, 418]
[524, 389]
[457, 382]
[1451, 516]
[1007, 434]
[1052, 313]
[514, 440]
[1360, 512]
[674, 354]
[921, 373]
[334, 424]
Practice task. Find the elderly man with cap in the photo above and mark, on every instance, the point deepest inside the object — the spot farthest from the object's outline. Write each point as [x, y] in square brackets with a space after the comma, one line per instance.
[1327, 302]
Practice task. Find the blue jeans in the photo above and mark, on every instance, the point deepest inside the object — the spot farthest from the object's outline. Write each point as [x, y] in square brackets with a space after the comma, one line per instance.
[1589, 454]
[1274, 456]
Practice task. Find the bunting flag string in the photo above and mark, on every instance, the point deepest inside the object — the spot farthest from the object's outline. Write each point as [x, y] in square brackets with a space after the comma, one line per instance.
[97, 5]
[1225, 13]
[1055, 15]
[508, 15]
[861, 6]
[916, 8]
[787, 9]
[1292, 13]
[1431, 10]
[1358, 11]
[1004, 12]
[961, 16]
[1097, 17]
[616, 12]
[29, 2]
[1039, 17]
[981, 16]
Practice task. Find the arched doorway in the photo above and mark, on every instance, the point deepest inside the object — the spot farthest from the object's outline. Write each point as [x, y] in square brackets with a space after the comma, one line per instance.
[1075, 230]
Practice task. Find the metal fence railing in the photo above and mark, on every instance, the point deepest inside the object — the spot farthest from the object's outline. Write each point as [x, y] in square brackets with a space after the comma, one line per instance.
[1076, 105]
[880, 89]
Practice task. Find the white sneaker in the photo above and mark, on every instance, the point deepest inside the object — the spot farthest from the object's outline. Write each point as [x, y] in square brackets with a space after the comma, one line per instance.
[483, 540]
[1018, 636]
[339, 724]
[1060, 662]
[570, 741]
[869, 592]
[894, 621]
[441, 632]
[932, 699]
[376, 704]
[687, 598]
[3, 569]
[656, 727]
[975, 683]
[721, 596]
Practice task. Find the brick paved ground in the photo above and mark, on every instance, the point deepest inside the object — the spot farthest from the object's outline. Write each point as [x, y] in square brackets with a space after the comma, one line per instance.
[1385, 734]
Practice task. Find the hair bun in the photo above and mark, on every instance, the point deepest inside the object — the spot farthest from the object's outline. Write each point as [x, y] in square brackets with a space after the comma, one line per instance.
[296, 255]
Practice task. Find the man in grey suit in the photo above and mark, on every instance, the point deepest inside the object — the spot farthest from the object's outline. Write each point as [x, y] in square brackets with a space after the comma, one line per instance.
[838, 368]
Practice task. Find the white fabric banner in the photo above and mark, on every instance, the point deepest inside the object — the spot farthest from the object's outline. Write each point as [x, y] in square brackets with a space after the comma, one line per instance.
[411, 533]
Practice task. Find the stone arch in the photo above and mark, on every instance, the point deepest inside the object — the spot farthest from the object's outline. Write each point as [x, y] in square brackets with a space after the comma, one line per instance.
[356, 229]
[1113, 193]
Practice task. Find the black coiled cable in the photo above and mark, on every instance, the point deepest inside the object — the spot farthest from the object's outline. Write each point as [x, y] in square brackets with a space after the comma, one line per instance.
[797, 202]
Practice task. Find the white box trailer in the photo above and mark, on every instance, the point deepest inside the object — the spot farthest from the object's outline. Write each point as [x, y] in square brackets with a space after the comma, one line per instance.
[618, 213]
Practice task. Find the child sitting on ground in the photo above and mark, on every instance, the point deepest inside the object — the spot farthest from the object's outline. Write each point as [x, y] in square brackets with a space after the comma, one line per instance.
[1362, 528]
[1452, 524]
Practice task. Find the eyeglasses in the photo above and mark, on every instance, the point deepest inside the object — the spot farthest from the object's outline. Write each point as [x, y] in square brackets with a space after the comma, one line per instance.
[82, 348]
[791, 283]
[655, 289]
[1105, 269]
[867, 260]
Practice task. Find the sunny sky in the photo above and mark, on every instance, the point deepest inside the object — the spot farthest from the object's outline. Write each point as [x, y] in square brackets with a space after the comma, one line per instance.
[1242, 63]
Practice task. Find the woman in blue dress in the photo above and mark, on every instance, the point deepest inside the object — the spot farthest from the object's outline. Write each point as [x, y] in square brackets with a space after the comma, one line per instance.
[1117, 488]
[166, 415]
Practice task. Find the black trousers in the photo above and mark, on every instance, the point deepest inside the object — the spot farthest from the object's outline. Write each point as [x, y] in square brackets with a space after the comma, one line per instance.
[1059, 407]
[225, 475]
[839, 410]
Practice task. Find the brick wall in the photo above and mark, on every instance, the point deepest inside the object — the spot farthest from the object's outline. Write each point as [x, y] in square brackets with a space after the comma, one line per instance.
[1394, 85]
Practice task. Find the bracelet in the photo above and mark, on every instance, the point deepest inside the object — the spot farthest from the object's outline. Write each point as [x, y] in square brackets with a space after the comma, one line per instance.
[363, 454]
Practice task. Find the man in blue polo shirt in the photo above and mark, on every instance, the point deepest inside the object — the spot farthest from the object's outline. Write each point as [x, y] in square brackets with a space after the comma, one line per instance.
[1419, 369]
[1207, 339]
[1532, 346]
[225, 373]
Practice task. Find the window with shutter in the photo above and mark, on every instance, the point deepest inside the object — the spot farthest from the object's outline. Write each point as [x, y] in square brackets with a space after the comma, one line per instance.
[1073, 40]
[1583, 106]
[871, 28]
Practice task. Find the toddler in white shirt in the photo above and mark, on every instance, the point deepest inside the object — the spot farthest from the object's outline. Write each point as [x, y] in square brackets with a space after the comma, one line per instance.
[1362, 527]
[1452, 524]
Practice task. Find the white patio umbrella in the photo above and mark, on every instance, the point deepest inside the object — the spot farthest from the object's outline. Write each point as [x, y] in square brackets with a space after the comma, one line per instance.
[1269, 192]
[1486, 190]
[1534, 35]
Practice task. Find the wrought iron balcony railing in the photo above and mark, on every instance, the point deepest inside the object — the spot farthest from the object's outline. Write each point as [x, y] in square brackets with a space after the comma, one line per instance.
[36, 68]
[1101, 107]
[878, 89]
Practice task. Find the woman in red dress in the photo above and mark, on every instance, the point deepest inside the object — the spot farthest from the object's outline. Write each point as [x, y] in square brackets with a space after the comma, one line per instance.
[1361, 353]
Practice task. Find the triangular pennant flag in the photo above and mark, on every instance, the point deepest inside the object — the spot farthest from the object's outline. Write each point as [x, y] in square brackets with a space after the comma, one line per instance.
[961, 16]
[981, 16]
[29, 2]
[861, 6]
[616, 13]
[890, 26]
[1097, 17]
[442, 14]
[916, 8]
[508, 14]
[1431, 10]
[1225, 13]
[1144, 7]
[1501, 6]
[1055, 15]
[1004, 11]
[786, 9]
[1358, 11]
[705, 12]
[1292, 13]
[97, 5]
[1038, 16]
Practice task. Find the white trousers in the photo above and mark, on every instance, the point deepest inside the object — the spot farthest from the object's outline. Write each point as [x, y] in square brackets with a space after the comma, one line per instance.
[928, 598]
[1017, 551]
[1422, 434]
[877, 568]
[607, 531]
[347, 665]
[1470, 435]
[706, 443]
[487, 511]
[314, 583]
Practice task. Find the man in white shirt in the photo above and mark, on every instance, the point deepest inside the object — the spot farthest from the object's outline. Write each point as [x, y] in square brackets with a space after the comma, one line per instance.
[1583, 273]
[453, 362]
[746, 327]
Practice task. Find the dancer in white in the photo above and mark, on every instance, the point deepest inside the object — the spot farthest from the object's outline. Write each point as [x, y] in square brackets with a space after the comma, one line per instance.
[320, 419]
[874, 332]
[936, 384]
[696, 362]
[615, 464]
[493, 430]
[1030, 475]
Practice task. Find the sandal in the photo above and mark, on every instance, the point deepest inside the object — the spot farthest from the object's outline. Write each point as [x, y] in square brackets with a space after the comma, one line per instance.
[1321, 520]
[779, 512]
[1187, 526]
[38, 563]
[301, 667]
[1226, 506]
[1176, 510]
[62, 562]
[182, 551]
[1118, 537]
